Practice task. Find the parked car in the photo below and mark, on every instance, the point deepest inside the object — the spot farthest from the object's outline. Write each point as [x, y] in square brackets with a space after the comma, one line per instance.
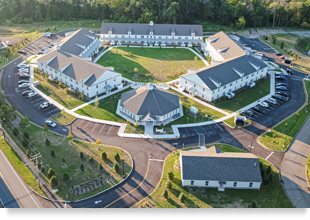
[282, 57]
[24, 76]
[289, 71]
[252, 84]
[282, 84]
[24, 93]
[279, 97]
[278, 54]
[281, 74]
[281, 88]
[40, 53]
[32, 94]
[264, 104]
[8, 43]
[47, 34]
[21, 51]
[249, 113]
[259, 109]
[24, 85]
[50, 123]
[45, 105]
[272, 101]
[23, 66]
[22, 81]
[24, 70]
[280, 78]
[283, 94]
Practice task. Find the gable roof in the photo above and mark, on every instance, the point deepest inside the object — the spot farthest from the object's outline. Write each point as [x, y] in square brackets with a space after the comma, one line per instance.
[77, 68]
[216, 165]
[225, 45]
[220, 74]
[150, 102]
[77, 42]
[157, 29]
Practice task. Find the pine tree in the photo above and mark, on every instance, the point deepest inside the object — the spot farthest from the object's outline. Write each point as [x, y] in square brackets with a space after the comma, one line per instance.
[103, 156]
[81, 155]
[117, 157]
[116, 167]
[47, 142]
[82, 167]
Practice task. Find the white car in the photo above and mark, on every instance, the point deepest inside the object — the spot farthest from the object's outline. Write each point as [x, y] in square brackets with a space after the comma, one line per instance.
[47, 34]
[32, 94]
[45, 105]
[24, 70]
[251, 84]
[8, 43]
[24, 85]
[230, 95]
[50, 123]
[23, 66]
[156, 44]
[119, 43]
[264, 104]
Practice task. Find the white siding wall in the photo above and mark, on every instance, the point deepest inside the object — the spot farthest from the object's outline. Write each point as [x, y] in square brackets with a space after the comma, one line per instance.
[215, 184]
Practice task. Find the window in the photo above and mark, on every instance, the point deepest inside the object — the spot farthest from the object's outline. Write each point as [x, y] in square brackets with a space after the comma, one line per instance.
[235, 184]
[207, 183]
[251, 184]
[192, 182]
[96, 86]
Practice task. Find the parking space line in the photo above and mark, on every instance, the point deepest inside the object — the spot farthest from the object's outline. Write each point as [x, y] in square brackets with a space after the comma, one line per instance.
[269, 156]
[101, 128]
[218, 126]
[79, 123]
[86, 125]
[110, 129]
[94, 127]
[186, 131]
[51, 111]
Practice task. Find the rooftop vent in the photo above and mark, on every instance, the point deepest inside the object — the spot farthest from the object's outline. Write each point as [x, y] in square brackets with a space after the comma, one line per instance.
[150, 86]
[151, 23]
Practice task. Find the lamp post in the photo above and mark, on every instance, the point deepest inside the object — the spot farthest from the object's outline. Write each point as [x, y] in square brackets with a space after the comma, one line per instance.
[297, 202]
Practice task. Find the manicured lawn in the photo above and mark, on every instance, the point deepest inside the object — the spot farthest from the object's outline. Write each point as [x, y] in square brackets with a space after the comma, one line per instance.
[20, 167]
[282, 135]
[107, 111]
[246, 97]
[57, 93]
[67, 160]
[151, 64]
[230, 121]
[294, 43]
[269, 196]
[64, 119]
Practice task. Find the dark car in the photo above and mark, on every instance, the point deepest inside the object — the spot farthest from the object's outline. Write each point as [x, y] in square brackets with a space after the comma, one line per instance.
[24, 76]
[289, 71]
[40, 52]
[259, 109]
[280, 78]
[280, 74]
[283, 94]
[282, 84]
[24, 93]
[249, 113]
[280, 97]
[21, 52]
[278, 54]
[281, 88]
[22, 81]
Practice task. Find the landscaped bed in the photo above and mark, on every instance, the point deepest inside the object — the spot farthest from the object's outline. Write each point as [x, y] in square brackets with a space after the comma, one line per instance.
[271, 195]
[63, 118]
[87, 174]
[281, 136]
[151, 64]
[245, 97]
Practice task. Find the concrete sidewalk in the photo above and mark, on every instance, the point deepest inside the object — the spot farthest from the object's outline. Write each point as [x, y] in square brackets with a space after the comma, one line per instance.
[293, 168]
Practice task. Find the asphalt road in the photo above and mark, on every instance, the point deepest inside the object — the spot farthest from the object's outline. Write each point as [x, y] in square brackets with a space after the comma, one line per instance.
[7, 200]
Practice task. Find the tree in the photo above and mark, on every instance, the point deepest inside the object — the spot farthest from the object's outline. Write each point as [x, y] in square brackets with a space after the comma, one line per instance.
[45, 128]
[282, 45]
[117, 157]
[103, 156]
[54, 181]
[26, 120]
[98, 141]
[181, 197]
[240, 24]
[268, 171]
[171, 175]
[70, 136]
[169, 185]
[173, 11]
[15, 132]
[82, 167]
[96, 103]
[47, 142]
[116, 167]
[26, 136]
[165, 194]
[90, 159]
[136, 123]
[50, 173]
[81, 155]
[100, 167]
[52, 153]
[66, 177]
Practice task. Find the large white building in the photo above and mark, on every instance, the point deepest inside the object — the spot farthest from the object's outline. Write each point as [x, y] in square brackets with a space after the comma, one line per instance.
[214, 169]
[232, 68]
[151, 34]
[88, 78]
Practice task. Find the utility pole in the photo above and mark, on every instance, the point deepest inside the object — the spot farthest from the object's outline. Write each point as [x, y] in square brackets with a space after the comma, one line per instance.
[37, 165]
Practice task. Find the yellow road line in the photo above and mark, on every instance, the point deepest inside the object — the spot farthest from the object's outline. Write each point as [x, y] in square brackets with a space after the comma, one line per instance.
[147, 171]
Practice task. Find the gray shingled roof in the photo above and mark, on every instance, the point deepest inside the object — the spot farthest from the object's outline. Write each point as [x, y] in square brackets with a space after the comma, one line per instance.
[221, 167]
[156, 102]
[158, 29]
[77, 42]
[224, 72]
[76, 67]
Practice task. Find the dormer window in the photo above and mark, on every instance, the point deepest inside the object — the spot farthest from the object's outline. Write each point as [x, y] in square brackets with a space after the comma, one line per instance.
[193, 34]
[151, 33]
[172, 33]
[129, 32]
[110, 32]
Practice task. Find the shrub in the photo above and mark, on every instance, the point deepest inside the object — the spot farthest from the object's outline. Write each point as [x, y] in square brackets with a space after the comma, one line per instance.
[42, 169]
[165, 194]
[170, 175]
[63, 160]
[26, 135]
[54, 181]
[169, 185]
[45, 128]
[15, 132]
[117, 157]
[253, 204]
[270, 178]
[52, 153]
[91, 159]
[66, 177]
[116, 167]
[181, 197]
[266, 180]
[25, 143]
[50, 173]
[70, 136]
[82, 167]
[81, 155]
[268, 171]
[98, 141]
[100, 167]
[103, 156]
[47, 142]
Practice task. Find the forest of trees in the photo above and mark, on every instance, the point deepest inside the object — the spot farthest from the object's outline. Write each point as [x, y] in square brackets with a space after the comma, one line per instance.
[235, 13]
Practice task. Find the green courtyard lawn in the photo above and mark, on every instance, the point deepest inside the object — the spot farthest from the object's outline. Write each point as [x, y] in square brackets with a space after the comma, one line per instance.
[230, 121]
[63, 118]
[20, 167]
[281, 136]
[106, 110]
[245, 96]
[151, 64]
[295, 43]
[269, 196]
[67, 159]
[56, 92]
